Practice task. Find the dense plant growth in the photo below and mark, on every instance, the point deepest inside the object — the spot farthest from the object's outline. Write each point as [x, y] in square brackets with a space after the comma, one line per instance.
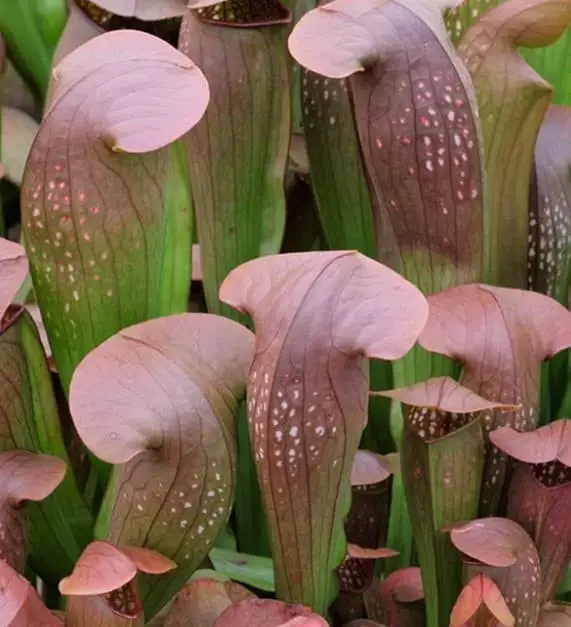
[284, 304]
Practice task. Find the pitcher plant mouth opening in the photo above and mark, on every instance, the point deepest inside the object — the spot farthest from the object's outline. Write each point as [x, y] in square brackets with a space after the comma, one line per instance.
[552, 474]
[10, 317]
[124, 601]
[431, 424]
[245, 13]
[166, 29]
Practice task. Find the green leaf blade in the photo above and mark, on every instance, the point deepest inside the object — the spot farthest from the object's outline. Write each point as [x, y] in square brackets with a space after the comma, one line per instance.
[97, 199]
[238, 152]
[443, 486]
[442, 460]
[419, 134]
[336, 167]
[176, 271]
[512, 101]
[167, 422]
[31, 30]
[553, 63]
[307, 398]
[550, 207]
[251, 570]
[61, 526]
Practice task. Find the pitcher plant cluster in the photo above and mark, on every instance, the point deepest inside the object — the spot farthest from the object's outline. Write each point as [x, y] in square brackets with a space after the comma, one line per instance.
[285, 339]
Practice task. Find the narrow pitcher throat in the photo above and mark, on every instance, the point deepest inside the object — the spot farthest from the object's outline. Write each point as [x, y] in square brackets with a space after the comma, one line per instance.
[125, 601]
[246, 13]
[552, 474]
[167, 29]
[10, 317]
[432, 424]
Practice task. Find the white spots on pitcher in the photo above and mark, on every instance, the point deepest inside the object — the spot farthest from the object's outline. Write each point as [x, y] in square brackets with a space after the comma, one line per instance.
[462, 17]
[431, 424]
[435, 137]
[293, 428]
[525, 418]
[258, 395]
[549, 238]
[553, 474]
[449, 135]
[61, 227]
[320, 97]
[474, 49]
[196, 505]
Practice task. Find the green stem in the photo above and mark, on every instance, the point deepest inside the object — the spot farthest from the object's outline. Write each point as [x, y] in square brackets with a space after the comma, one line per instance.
[417, 365]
